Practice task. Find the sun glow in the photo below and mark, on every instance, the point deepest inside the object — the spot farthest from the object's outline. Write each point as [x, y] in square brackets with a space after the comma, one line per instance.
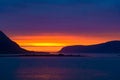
[45, 44]
[53, 42]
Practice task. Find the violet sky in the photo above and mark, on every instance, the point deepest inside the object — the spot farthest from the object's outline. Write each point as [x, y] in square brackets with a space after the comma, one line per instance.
[78, 17]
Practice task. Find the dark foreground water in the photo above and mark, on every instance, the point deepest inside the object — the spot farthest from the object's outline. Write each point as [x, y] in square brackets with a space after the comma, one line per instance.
[60, 68]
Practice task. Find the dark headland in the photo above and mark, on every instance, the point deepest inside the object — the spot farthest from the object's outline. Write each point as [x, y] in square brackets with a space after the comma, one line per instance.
[9, 47]
[107, 47]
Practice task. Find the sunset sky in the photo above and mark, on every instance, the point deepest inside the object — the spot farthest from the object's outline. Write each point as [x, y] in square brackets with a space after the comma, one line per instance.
[49, 25]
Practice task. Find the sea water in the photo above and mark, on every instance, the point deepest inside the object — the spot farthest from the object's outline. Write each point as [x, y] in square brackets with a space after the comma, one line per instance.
[60, 68]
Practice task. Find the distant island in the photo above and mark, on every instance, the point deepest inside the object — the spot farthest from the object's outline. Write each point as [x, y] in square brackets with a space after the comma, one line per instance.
[107, 47]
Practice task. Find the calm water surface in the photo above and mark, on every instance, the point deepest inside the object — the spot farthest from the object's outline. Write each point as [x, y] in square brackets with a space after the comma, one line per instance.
[60, 68]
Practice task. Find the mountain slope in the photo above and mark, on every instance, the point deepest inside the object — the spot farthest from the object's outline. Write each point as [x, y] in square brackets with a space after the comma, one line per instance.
[9, 46]
[108, 47]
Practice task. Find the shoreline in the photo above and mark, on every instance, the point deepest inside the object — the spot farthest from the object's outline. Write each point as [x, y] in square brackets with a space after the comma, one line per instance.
[42, 56]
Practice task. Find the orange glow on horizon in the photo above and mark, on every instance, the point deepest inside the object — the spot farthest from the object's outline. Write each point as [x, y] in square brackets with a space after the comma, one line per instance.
[53, 43]
[42, 48]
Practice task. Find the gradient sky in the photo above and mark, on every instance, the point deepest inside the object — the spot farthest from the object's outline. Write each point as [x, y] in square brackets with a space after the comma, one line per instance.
[44, 23]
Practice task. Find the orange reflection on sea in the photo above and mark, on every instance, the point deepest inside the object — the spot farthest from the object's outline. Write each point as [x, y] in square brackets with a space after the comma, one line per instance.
[47, 73]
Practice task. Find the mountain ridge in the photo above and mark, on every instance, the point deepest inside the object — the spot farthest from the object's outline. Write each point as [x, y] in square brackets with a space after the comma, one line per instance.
[106, 47]
[7, 46]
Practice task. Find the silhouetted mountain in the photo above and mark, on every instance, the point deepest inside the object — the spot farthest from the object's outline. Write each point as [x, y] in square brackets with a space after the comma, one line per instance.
[108, 47]
[9, 46]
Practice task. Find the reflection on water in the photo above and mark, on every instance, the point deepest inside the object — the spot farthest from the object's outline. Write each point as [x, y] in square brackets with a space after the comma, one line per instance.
[58, 74]
[59, 68]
